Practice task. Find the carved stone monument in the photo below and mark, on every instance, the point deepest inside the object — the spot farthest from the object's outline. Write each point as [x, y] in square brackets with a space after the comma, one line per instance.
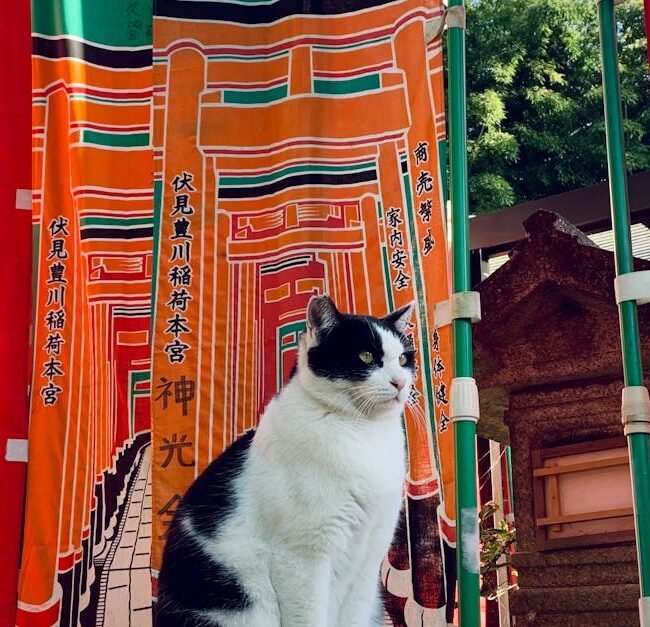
[548, 357]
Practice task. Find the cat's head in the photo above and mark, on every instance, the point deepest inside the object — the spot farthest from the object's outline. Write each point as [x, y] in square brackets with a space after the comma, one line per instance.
[359, 365]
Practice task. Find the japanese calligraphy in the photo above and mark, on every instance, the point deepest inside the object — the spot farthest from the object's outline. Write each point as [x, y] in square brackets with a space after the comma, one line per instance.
[414, 397]
[395, 238]
[56, 273]
[179, 300]
[438, 367]
[57, 250]
[425, 210]
[177, 325]
[55, 317]
[182, 205]
[168, 510]
[181, 251]
[427, 243]
[183, 393]
[436, 340]
[398, 259]
[58, 226]
[424, 183]
[398, 256]
[175, 351]
[183, 181]
[423, 170]
[181, 228]
[421, 153]
[174, 448]
[444, 422]
[441, 394]
[50, 393]
[401, 281]
[52, 368]
[56, 295]
[53, 343]
[180, 276]
[393, 218]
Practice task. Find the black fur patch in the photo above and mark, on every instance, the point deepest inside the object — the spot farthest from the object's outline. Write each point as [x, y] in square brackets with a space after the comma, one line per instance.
[181, 619]
[189, 580]
[337, 354]
[211, 498]
[199, 583]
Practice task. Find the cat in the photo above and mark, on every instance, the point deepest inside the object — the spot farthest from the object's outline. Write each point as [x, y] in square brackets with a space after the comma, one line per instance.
[289, 526]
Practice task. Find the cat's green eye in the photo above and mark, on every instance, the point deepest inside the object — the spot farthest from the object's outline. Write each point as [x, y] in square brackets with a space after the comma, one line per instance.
[403, 359]
[366, 357]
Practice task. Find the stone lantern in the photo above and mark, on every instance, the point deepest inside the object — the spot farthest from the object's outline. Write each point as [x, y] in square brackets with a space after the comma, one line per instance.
[549, 368]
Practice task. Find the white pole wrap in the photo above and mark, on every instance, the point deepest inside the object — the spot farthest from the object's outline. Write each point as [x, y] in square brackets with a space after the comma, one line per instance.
[635, 409]
[464, 399]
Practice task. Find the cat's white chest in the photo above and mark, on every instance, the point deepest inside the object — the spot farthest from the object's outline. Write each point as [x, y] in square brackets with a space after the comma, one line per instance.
[362, 487]
[328, 482]
[377, 466]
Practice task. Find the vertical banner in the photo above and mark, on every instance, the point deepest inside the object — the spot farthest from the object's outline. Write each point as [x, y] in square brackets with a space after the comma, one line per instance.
[87, 531]
[15, 257]
[296, 152]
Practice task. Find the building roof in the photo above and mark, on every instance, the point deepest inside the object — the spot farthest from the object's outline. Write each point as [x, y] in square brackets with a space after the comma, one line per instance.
[586, 208]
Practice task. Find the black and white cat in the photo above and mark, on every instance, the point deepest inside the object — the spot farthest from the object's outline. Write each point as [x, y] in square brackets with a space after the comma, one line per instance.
[289, 526]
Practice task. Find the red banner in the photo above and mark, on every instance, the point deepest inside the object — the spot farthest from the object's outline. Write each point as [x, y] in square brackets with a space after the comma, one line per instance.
[15, 260]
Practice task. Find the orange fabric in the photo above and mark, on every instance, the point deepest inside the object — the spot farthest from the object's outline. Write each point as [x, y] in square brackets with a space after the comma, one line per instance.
[295, 157]
[93, 227]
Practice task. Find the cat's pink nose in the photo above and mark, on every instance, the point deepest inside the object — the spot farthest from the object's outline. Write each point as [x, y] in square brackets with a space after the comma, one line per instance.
[398, 384]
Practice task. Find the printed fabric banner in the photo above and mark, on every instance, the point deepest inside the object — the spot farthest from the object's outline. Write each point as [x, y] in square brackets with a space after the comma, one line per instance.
[296, 151]
[87, 532]
[15, 257]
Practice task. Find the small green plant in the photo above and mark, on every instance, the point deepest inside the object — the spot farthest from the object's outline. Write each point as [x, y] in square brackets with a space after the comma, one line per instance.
[495, 542]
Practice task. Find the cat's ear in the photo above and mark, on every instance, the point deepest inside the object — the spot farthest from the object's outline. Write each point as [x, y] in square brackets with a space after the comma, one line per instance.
[322, 314]
[400, 318]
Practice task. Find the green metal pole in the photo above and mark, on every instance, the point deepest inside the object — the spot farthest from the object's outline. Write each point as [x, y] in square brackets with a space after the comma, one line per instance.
[510, 486]
[638, 443]
[467, 548]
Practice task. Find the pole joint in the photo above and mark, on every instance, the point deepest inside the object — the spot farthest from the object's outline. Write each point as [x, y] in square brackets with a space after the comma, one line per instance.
[644, 611]
[456, 17]
[465, 305]
[635, 411]
[464, 400]
[452, 17]
[633, 286]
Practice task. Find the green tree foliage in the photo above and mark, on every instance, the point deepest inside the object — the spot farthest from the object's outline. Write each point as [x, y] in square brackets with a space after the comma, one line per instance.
[535, 112]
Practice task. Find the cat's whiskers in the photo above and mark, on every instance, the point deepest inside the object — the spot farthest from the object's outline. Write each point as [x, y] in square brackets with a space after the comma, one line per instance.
[367, 398]
[367, 395]
[366, 405]
[359, 401]
[345, 402]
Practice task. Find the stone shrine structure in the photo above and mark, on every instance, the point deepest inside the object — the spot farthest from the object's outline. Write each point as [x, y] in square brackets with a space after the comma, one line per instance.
[548, 365]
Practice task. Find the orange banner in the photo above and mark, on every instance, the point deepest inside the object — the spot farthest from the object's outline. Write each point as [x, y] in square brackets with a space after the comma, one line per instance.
[86, 535]
[298, 154]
